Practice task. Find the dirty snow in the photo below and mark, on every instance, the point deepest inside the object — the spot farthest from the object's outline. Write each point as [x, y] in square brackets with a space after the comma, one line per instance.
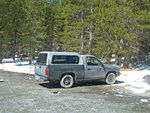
[17, 66]
[144, 100]
[131, 80]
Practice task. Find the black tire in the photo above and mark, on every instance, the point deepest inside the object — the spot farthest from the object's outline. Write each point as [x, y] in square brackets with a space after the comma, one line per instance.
[67, 81]
[110, 78]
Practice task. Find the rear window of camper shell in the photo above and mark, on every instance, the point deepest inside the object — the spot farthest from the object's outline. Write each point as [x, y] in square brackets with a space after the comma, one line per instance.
[42, 58]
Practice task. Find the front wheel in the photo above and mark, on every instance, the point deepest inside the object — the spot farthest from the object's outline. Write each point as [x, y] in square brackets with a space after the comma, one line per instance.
[110, 78]
[67, 81]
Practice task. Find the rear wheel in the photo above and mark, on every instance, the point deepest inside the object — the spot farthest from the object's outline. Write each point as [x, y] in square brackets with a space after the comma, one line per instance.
[67, 81]
[110, 78]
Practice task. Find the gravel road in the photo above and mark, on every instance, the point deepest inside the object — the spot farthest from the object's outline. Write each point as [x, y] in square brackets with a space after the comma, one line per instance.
[21, 93]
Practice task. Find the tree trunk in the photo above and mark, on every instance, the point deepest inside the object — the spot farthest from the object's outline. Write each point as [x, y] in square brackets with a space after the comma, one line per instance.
[14, 48]
[118, 62]
[82, 43]
[1, 53]
[91, 30]
[109, 56]
[82, 34]
[52, 35]
[30, 58]
[127, 56]
[1, 58]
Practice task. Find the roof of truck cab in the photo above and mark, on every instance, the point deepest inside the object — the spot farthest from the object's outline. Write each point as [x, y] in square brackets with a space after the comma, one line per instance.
[87, 55]
[60, 53]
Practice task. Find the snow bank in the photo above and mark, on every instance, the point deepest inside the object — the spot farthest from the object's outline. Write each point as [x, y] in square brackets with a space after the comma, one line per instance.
[17, 66]
[134, 80]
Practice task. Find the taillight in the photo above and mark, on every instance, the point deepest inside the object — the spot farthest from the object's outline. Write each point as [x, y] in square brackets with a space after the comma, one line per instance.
[46, 71]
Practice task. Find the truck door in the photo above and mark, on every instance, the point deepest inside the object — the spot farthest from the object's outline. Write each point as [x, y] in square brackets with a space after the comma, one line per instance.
[41, 66]
[94, 68]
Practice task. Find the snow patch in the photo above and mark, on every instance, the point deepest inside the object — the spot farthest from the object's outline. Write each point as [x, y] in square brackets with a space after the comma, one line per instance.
[144, 100]
[134, 80]
[118, 95]
[17, 66]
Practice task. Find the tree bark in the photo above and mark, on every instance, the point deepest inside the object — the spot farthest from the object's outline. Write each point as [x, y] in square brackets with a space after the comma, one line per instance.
[52, 36]
[91, 29]
[14, 47]
[82, 32]
[127, 56]
[30, 58]
[1, 53]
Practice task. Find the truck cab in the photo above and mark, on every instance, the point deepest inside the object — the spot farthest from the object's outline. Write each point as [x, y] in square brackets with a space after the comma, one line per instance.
[70, 67]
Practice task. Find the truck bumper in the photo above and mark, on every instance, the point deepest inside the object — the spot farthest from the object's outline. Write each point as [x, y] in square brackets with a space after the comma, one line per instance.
[40, 77]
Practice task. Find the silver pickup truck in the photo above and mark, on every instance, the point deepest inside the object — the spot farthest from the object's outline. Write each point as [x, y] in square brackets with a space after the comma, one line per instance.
[70, 67]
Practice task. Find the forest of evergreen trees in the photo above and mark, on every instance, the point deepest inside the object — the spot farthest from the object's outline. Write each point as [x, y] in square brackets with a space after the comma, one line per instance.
[105, 28]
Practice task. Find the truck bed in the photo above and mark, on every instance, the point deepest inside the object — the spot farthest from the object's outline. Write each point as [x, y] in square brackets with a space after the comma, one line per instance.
[55, 71]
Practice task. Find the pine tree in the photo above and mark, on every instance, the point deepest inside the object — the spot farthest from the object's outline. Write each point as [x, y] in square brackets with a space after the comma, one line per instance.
[105, 28]
[32, 27]
[109, 30]
[52, 25]
[12, 23]
[74, 31]
[144, 31]
[2, 24]
[135, 15]
[116, 30]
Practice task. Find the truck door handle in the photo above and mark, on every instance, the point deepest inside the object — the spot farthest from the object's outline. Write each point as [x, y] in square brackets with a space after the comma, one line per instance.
[88, 69]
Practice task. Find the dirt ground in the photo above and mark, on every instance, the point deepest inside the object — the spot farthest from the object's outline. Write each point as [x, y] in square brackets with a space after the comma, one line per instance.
[21, 93]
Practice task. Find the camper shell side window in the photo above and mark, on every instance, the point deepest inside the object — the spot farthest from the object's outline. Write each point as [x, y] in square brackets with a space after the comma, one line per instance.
[65, 59]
